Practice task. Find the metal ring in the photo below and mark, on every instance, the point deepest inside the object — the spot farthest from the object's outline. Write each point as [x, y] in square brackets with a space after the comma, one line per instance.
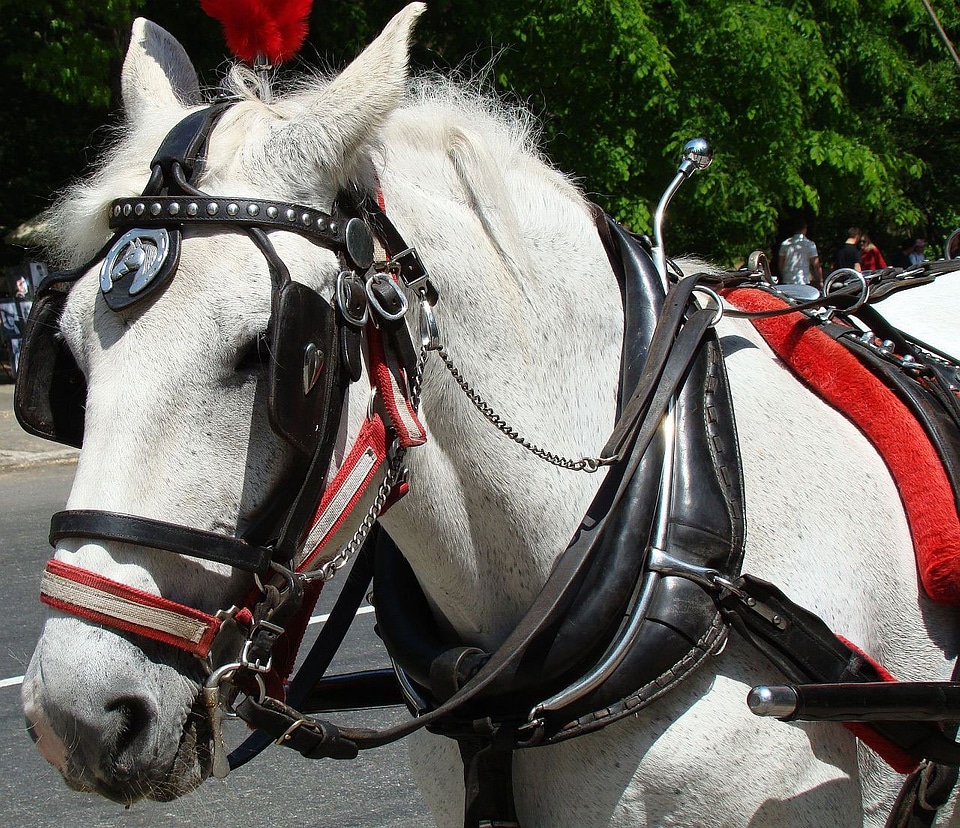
[374, 301]
[712, 294]
[844, 272]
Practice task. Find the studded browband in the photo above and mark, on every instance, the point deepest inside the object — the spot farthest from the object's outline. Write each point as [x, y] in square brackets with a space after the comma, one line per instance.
[351, 236]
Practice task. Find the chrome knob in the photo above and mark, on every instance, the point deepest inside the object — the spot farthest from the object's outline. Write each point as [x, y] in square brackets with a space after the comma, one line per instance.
[697, 155]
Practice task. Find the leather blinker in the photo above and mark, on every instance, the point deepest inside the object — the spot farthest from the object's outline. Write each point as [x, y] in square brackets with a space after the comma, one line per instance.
[304, 374]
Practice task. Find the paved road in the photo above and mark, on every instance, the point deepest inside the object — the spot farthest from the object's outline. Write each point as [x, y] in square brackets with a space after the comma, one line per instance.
[279, 788]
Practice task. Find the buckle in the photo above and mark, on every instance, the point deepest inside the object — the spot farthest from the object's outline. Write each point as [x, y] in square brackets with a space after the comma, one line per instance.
[410, 267]
[386, 300]
[351, 300]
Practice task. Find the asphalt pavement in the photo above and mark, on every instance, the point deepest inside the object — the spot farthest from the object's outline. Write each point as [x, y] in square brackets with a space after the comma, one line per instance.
[19, 449]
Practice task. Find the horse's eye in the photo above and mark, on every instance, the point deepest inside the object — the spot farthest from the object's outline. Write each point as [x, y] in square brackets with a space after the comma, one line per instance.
[254, 355]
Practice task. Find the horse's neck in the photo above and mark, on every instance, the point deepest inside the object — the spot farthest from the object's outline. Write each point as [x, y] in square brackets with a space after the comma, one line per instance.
[530, 312]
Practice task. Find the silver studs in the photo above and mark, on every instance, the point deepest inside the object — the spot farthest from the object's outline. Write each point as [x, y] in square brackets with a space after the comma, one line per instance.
[156, 208]
[291, 215]
[138, 208]
[232, 209]
[174, 208]
[253, 209]
[306, 218]
[213, 208]
[334, 227]
[272, 212]
[321, 224]
[116, 211]
[127, 209]
[192, 208]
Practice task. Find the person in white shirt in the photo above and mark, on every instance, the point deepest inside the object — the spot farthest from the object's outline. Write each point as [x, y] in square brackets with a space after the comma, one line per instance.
[800, 260]
[917, 255]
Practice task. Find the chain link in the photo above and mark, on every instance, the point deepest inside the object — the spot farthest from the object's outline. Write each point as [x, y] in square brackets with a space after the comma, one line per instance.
[584, 464]
[330, 569]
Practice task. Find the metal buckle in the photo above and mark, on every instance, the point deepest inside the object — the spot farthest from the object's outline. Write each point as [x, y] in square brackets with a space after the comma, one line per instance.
[410, 268]
[256, 666]
[344, 296]
[288, 733]
[374, 301]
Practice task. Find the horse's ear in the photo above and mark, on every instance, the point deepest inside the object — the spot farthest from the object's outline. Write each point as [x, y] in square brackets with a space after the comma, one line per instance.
[156, 72]
[347, 113]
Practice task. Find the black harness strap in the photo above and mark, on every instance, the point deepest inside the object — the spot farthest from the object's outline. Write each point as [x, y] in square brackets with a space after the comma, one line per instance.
[487, 783]
[315, 738]
[156, 534]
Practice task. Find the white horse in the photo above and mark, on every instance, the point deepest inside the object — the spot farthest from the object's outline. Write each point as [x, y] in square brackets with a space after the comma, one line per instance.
[531, 311]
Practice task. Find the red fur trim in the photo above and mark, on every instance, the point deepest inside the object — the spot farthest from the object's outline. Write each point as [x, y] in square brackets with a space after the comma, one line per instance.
[273, 28]
[835, 374]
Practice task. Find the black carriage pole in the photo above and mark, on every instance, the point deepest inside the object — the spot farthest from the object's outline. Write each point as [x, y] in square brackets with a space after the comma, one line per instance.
[899, 701]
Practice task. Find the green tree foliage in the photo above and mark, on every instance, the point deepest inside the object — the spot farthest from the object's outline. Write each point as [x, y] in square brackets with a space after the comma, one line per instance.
[846, 111]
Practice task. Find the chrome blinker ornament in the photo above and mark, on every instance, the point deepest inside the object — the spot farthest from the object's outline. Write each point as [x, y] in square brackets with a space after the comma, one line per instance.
[313, 361]
[139, 261]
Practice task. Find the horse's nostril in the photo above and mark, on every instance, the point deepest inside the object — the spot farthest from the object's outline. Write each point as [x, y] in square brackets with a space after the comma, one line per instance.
[129, 718]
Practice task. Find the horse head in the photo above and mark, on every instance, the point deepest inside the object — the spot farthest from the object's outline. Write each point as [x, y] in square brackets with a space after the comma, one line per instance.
[176, 422]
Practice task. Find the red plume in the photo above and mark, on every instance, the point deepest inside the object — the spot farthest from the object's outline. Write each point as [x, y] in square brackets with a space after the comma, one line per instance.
[274, 28]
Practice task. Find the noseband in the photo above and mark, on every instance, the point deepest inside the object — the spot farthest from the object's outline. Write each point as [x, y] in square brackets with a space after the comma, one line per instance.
[315, 353]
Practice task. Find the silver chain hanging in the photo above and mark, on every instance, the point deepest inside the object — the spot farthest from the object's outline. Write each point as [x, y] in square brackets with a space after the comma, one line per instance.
[584, 464]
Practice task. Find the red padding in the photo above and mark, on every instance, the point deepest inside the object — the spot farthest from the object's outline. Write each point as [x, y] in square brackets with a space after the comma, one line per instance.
[199, 648]
[840, 379]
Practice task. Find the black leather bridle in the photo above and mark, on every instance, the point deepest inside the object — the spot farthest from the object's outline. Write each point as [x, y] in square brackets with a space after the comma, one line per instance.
[307, 380]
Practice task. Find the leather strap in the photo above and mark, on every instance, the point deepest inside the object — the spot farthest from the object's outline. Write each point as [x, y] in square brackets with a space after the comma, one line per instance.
[163, 211]
[487, 784]
[156, 534]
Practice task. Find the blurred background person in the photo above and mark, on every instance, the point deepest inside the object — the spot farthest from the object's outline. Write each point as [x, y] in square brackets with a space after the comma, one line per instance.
[800, 260]
[870, 256]
[917, 255]
[849, 253]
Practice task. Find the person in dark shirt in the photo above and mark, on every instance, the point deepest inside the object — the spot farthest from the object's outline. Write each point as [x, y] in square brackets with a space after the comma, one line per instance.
[849, 254]
[901, 258]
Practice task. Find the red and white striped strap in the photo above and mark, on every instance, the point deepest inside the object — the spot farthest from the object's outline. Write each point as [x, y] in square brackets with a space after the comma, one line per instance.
[388, 375]
[91, 596]
[346, 491]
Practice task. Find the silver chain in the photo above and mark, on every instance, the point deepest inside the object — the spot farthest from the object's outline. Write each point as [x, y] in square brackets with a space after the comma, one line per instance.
[584, 464]
[330, 569]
